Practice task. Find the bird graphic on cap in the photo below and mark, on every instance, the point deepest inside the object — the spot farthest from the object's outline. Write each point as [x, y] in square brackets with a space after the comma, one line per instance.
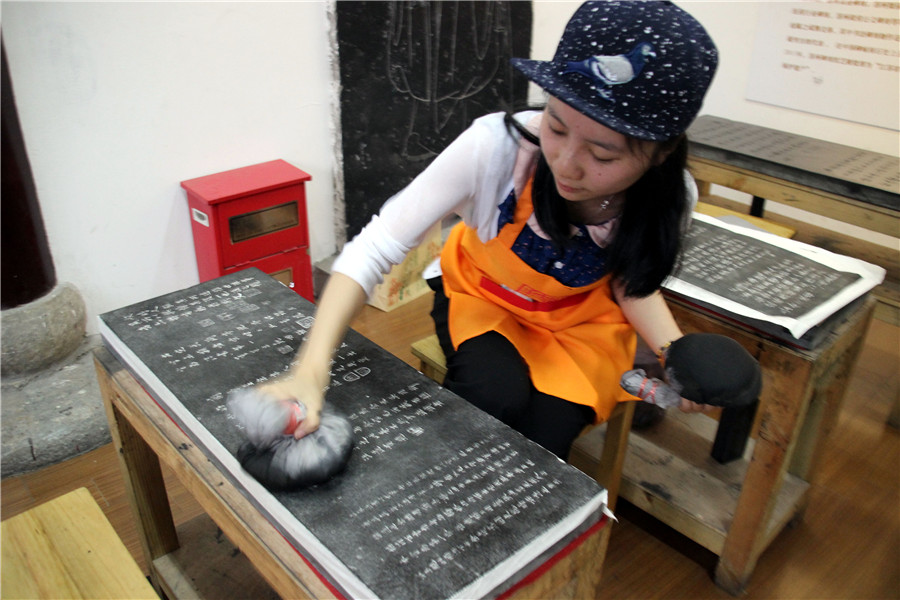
[614, 70]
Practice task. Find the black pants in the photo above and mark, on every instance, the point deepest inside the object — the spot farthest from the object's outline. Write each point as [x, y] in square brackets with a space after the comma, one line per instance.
[490, 373]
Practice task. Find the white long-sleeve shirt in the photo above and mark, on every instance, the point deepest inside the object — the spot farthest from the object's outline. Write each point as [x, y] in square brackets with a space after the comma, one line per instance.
[470, 178]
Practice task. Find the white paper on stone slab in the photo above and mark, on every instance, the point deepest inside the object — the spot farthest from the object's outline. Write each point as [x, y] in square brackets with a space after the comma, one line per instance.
[867, 276]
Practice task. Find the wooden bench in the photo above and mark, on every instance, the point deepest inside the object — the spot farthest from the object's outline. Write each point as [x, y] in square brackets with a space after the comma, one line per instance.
[603, 463]
[66, 548]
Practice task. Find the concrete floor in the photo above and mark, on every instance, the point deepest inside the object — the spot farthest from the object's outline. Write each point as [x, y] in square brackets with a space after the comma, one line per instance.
[52, 415]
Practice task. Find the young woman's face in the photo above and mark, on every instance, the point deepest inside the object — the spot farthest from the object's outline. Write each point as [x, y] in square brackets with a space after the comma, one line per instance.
[589, 161]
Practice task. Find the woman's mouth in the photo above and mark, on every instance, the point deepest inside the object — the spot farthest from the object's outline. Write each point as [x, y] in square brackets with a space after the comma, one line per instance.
[565, 189]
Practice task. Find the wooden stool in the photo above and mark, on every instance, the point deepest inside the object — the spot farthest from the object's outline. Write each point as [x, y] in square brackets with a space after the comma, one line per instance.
[66, 548]
[431, 357]
[604, 465]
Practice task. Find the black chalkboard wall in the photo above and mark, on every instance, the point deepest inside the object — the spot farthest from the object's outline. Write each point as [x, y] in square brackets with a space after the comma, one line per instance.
[413, 76]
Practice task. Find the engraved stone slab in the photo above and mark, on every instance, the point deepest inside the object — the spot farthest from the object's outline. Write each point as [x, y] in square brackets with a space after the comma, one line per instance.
[852, 172]
[438, 500]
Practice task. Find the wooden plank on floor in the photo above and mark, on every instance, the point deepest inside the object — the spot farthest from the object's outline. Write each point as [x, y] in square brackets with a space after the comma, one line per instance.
[66, 548]
[208, 565]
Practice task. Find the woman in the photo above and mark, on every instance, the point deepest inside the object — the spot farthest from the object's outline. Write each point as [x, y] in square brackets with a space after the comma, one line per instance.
[571, 220]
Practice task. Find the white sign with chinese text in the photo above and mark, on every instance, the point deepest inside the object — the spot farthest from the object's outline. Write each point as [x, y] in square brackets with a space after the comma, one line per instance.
[838, 58]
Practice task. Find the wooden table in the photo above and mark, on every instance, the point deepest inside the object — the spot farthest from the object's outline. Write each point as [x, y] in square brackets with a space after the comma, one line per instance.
[144, 435]
[65, 548]
[737, 509]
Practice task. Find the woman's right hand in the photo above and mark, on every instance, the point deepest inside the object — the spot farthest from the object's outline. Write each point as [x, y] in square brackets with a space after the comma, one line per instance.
[304, 389]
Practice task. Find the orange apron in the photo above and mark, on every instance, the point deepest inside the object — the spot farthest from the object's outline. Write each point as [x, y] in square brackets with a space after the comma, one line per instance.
[576, 341]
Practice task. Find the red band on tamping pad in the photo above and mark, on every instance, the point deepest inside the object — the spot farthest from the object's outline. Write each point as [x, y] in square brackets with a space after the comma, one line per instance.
[649, 395]
[295, 417]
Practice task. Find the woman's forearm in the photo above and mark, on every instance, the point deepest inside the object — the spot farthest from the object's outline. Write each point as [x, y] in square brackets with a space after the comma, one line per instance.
[340, 303]
[651, 318]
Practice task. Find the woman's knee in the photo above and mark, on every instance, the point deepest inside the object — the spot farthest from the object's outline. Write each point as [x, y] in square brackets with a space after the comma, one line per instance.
[554, 423]
[489, 372]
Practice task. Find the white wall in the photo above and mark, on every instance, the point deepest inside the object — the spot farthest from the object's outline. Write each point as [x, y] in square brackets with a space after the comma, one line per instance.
[119, 102]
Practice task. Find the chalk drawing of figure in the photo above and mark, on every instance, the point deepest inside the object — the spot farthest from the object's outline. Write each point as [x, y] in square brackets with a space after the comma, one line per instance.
[439, 55]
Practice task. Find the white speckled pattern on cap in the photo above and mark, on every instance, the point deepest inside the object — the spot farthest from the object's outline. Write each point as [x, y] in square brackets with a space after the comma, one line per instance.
[640, 67]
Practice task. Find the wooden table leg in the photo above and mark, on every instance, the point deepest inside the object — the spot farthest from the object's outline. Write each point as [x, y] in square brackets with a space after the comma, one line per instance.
[784, 402]
[576, 575]
[894, 416]
[825, 406]
[801, 404]
[143, 480]
[615, 447]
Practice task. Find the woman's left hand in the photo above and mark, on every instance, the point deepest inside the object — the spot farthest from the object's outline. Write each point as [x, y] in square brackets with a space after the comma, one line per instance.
[693, 407]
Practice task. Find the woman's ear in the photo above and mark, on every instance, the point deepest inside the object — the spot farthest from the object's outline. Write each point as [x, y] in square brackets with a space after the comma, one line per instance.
[665, 149]
[661, 156]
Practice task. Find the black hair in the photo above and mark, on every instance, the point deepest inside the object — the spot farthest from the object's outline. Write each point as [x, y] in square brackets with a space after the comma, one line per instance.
[646, 244]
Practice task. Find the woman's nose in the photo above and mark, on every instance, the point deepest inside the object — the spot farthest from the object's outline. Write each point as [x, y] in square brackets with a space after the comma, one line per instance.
[567, 164]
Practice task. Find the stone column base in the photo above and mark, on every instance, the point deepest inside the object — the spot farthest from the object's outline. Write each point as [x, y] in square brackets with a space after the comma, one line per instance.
[43, 332]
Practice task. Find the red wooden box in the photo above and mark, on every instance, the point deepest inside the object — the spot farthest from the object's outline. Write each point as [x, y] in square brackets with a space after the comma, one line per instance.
[292, 268]
[252, 217]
